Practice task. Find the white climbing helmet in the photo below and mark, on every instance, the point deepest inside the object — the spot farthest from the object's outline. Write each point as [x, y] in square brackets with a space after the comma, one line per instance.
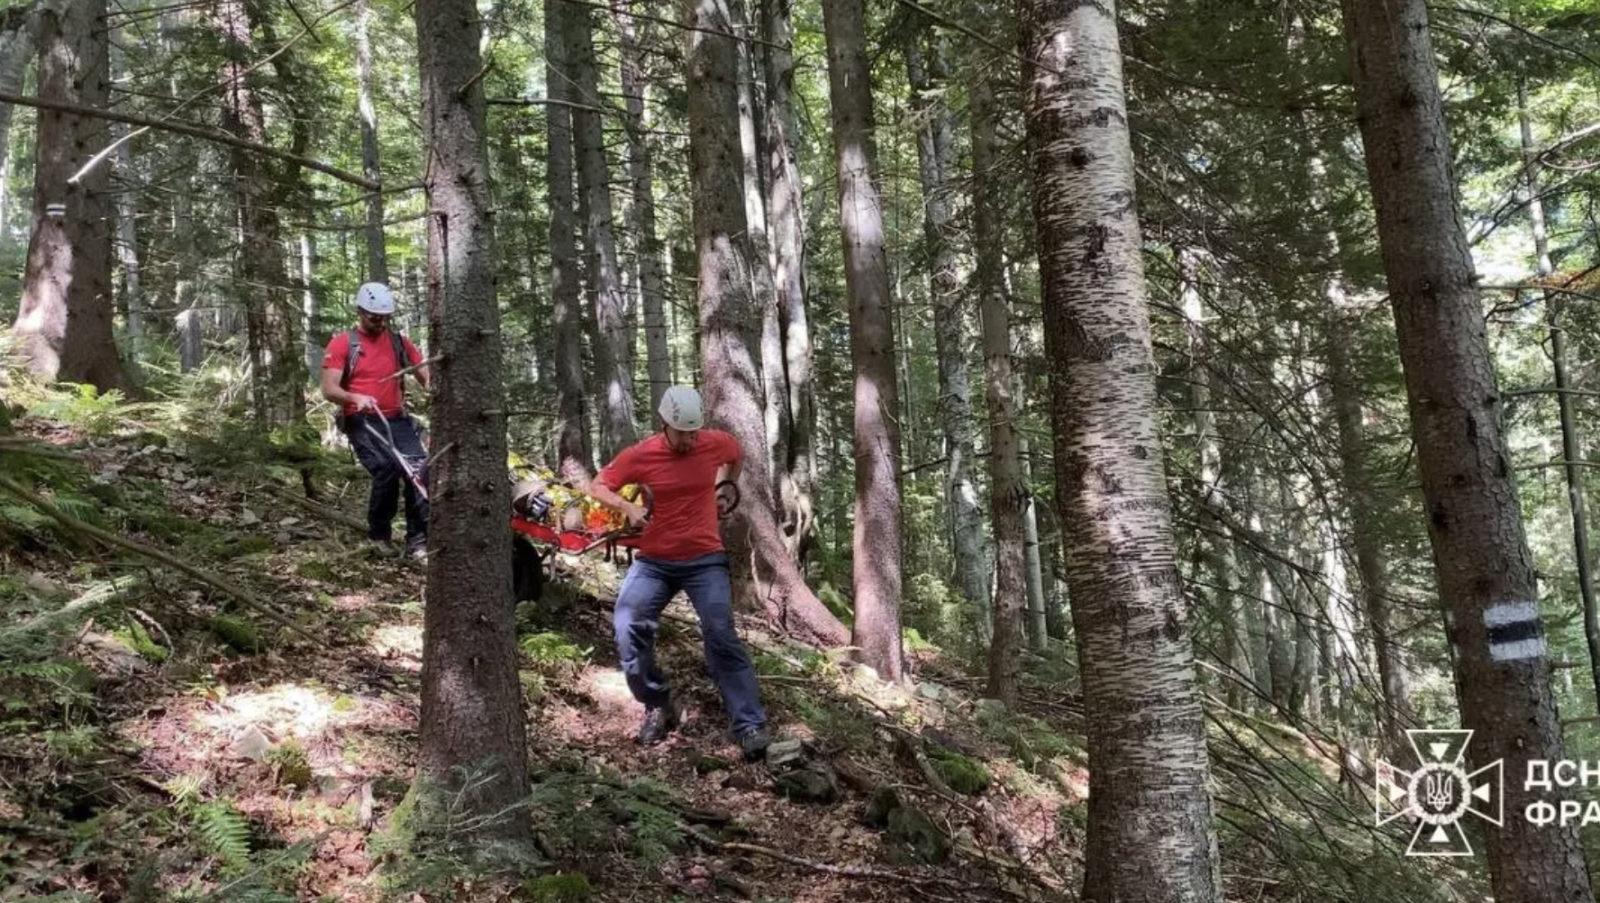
[681, 409]
[375, 298]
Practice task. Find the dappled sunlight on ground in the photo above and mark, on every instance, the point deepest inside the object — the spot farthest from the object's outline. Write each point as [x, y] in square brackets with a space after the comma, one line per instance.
[284, 710]
[400, 644]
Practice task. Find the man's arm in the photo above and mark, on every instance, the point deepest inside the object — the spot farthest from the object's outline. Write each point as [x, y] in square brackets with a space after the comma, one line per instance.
[332, 392]
[600, 492]
[424, 378]
[732, 467]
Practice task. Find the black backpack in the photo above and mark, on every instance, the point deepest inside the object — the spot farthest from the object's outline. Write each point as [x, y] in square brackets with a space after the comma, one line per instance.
[354, 351]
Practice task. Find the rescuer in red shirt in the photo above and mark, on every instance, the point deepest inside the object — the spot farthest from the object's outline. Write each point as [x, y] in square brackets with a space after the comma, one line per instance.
[369, 386]
[681, 549]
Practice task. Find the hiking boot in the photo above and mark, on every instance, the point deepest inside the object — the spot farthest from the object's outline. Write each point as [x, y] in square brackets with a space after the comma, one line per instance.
[753, 743]
[417, 548]
[659, 721]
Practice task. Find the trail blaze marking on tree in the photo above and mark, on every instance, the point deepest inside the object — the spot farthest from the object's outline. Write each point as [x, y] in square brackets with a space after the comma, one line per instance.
[1514, 631]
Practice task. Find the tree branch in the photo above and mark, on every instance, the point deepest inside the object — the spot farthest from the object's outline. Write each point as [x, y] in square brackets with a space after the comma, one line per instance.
[193, 131]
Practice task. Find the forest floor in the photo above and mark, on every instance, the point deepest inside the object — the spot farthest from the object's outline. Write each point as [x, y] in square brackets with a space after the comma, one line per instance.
[160, 739]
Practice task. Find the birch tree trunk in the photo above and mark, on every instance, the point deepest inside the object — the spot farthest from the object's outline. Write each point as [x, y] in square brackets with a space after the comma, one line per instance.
[1037, 631]
[877, 543]
[730, 326]
[472, 740]
[1150, 833]
[613, 376]
[798, 475]
[63, 326]
[1484, 569]
[371, 165]
[642, 213]
[929, 77]
[574, 454]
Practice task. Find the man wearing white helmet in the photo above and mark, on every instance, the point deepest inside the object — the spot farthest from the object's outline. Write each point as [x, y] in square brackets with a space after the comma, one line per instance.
[681, 549]
[362, 373]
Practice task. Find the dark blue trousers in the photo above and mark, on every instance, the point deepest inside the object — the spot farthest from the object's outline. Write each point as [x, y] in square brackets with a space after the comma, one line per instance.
[388, 481]
[646, 590]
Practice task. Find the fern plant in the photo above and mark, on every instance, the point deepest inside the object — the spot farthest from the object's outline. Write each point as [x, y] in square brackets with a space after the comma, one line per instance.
[223, 832]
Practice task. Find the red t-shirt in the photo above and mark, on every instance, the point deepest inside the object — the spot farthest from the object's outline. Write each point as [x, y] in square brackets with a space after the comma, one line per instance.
[684, 523]
[375, 369]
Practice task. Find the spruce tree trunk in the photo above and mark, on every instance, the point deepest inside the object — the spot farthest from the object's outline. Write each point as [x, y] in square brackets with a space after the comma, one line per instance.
[642, 213]
[63, 326]
[1484, 570]
[19, 43]
[1571, 436]
[730, 326]
[774, 389]
[127, 241]
[574, 454]
[1372, 563]
[877, 543]
[929, 76]
[1007, 490]
[278, 375]
[1150, 833]
[613, 375]
[797, 477]
[371, 167]
[472, 719]
[1219, 556]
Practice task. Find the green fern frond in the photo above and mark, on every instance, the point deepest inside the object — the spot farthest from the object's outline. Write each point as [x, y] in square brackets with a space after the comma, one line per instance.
[223, 832]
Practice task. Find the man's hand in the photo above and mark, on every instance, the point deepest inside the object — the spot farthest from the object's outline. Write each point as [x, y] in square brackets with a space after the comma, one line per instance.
[636, 514]
[363, 402]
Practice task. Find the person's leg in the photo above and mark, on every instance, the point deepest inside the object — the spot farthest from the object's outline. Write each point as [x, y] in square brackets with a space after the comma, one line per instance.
[710, 590]
[408, 441]
[644, 593]
[385, 497]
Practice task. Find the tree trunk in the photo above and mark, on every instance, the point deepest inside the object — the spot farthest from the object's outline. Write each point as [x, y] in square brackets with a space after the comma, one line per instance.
[276, 362]
[472, 740]
[377, 254]
[940, 231]
[1007, 491]
[1484, 570]
[1150, 833]
[63, 326]
[774, 388]
[730, 325]
[1571, 437]
[308, 303]
[642, 213]
[613, 375]
[19, 41]
[127, 241]
[877, 563]
[1372, 564]
[798, 475]
[1219, 557]
[574, 454]
[1037, 632]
